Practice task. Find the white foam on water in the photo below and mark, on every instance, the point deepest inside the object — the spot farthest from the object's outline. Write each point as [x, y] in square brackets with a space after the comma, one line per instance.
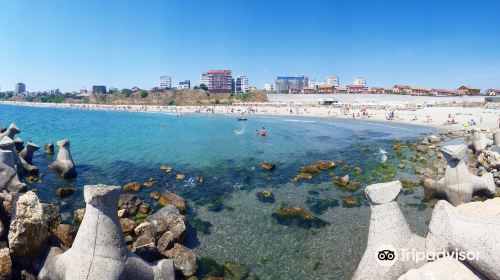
[294, 120]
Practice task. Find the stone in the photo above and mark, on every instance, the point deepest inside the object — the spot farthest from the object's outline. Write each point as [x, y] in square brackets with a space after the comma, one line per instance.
[143, 208]
[11, 131]
[180, 177]
[155, 195]
[28, 232]
[49, 148]
[442, 268]
[165, 242]
[165, 168]
[489, 160]
[267, 165]
[422, 148]
[480, 142]
[79, 214]
[65, 192]
[64, 162]
[5, 264]
[99, 250]
[458, 184]
[171, 198]
[168, 218]
[65, 234]
[452, 231]
[150, 182]
[51, 214]
[184, 259]
[388, 227]
[28, 151]
[122, 213]
[127, 225]
[130, 203]
[132, 187]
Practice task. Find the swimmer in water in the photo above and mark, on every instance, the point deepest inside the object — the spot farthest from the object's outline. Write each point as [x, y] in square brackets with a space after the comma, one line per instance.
[263, 131]
[164, 125]
[257, 132]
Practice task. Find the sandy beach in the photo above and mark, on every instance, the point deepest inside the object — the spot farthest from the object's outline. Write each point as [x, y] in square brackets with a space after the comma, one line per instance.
[409, 111]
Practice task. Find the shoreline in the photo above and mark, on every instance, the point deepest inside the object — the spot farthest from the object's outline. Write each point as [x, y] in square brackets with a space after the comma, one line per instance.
[435, 117]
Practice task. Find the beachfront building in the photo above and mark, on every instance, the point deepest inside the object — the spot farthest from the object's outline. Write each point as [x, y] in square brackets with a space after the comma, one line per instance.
[326, 89]
[218, 81]
[20, 88]
[401, 89]
[309, 90]
[380, 90]
[165, 82]
[360, 81]
[241, 84]
[184, 85]
[468, 90]
[287, 84]
[419, 91]
[442, 92]
[333, 81]
[341, 90]
[492, 92]
[268, 87]
[99, 89]
[357, 89]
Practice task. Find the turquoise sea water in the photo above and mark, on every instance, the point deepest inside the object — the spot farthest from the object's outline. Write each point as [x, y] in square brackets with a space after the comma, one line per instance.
[118, 147]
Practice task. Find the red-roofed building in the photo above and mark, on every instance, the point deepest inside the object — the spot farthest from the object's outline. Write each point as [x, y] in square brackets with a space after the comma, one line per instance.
[357, 89]
[418, 90]
[443, 92]
[326, 88]
[401, 89]
[308, 90]
[468, 90]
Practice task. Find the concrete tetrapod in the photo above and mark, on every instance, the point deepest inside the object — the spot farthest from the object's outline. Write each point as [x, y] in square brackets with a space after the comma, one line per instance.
[99, 250]
[443, 268]
[8, 174]
[458, 184]
[496, 138]
[10, 132]
[28, 151]
[22, 166]
[480, 142]
[388, 231]
[64, 162]
[476, 235]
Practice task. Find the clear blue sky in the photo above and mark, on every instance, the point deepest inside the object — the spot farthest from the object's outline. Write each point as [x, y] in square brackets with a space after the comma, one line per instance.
[70, 44]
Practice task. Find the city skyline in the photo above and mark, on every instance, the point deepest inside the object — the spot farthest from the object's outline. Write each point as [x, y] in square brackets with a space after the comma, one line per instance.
[70, 45]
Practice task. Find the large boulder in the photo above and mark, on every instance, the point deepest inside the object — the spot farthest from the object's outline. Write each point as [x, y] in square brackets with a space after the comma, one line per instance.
[168, 198]
[489, 160]
[28, 232]
[130, 203]
[5, 264]
[184, 259]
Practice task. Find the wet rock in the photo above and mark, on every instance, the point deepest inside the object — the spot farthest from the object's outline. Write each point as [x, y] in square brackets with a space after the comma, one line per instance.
[320, 205]
[165, 168]
[51, 214]
[303, 176]
[28, 232]
[31, 179]
[49, 148]
[350, 201]
[130, 203]
[65, 192]
[265, 196]
[401, 166]
[155, 195]
[79, 213]
[127, 225]
[200, 179]
[234, 271]
[267, 165]
[184, 259]
[298, 217]
[357, 170]
[422, 148]
[144, 208]
[171, 198]
[122, 213]
[150, 182]
[132, 187]
[489, 160]
[364, 149]
[180, 177]
[66, 234]
[5, 264]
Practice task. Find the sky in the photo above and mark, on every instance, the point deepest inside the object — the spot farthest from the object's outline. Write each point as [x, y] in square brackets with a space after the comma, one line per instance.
[74, 44]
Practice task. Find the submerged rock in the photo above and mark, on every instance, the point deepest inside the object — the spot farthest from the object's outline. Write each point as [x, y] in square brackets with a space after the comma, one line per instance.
[267, 165]
[79, 213]
[49, 148]
[303, 176]
[130, 203]
[298, 217]
[132, 187]
[265, 196]
[66, 234]
[165, 168]
[149, 183]
[64, 192]
[350, 201]
[180, 177]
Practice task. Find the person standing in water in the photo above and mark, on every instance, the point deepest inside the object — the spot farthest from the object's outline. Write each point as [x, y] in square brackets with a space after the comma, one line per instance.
[263, 132]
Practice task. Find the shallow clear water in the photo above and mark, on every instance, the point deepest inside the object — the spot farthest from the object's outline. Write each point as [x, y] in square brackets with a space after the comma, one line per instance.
[118, 147]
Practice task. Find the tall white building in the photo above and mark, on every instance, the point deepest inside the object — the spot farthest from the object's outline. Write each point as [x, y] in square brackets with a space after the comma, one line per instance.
[204, 79]
[241, 84]
[165, 82]
[268, 87]
[333, 81]
[360, 81]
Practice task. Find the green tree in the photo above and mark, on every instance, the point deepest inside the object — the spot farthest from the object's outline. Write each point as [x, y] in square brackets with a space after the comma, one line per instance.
[144, 93]
[203, 87]
[127, 92]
